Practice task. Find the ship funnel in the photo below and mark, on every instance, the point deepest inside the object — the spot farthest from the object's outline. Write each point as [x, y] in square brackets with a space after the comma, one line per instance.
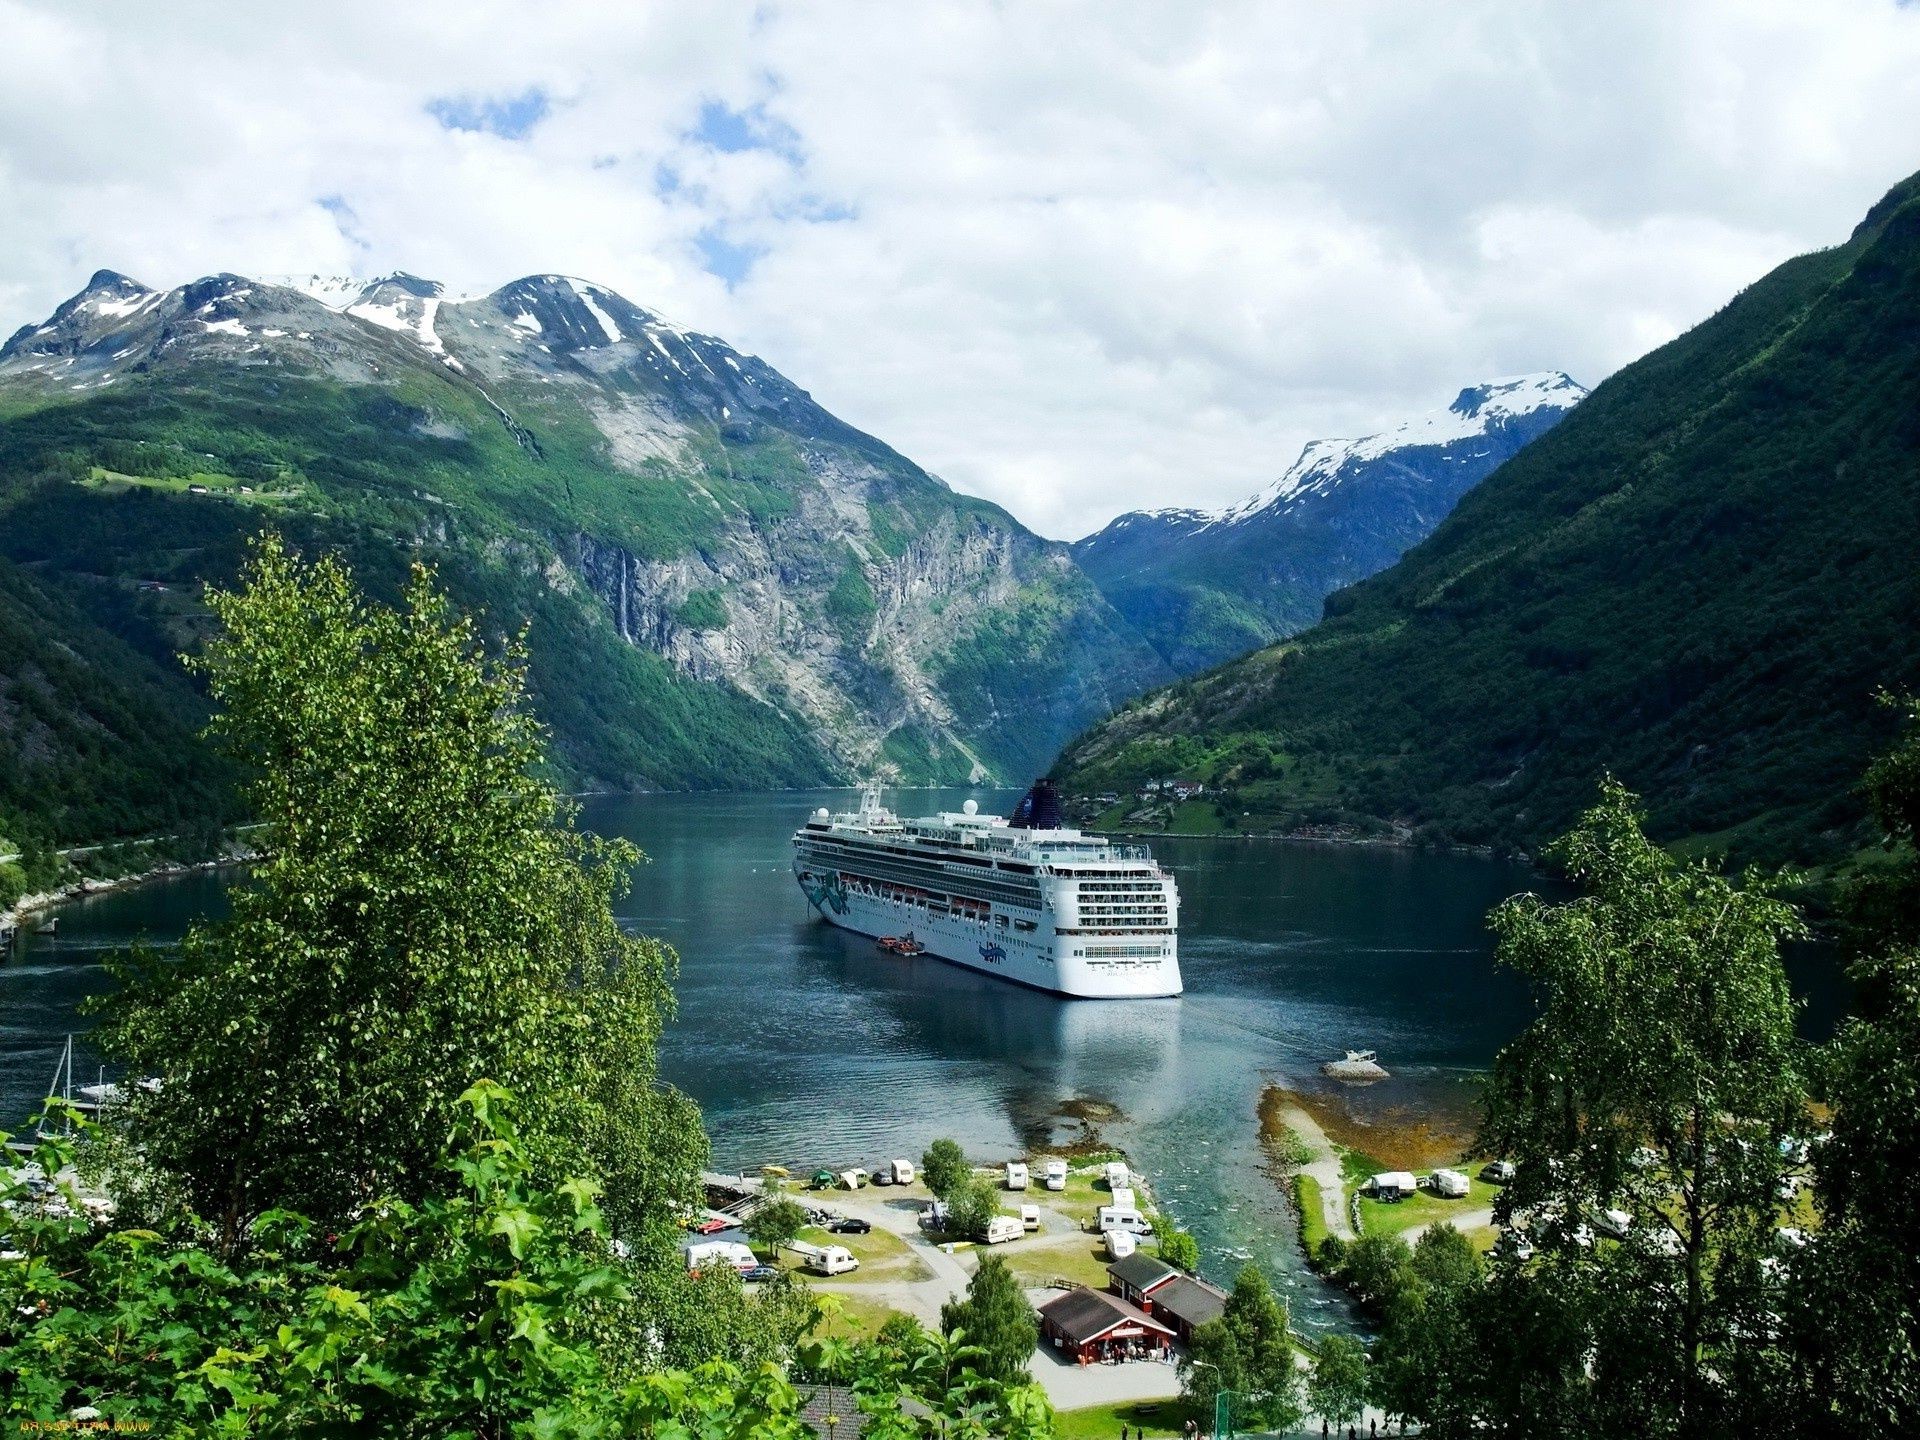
[1039, 809]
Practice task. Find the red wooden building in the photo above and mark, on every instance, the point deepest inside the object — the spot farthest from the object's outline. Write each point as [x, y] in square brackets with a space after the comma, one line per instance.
[1092, 1325]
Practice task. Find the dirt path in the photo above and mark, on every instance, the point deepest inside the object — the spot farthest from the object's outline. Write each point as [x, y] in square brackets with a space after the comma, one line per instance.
[1324, 1167]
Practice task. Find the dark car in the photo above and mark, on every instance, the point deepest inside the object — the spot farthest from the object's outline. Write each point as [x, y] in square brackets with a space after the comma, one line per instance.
[851, 1225]
[760, 1272]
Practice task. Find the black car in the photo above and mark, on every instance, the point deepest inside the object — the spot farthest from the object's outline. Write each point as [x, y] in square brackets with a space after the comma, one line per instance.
[851, 1225]
[760, 1272]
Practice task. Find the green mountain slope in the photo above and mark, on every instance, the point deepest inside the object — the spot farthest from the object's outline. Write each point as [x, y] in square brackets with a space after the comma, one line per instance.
[1697, 581]
[722, 584]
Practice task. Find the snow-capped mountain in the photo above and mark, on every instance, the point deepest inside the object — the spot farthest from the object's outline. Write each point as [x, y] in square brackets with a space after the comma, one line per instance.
[837, 608]
[1208, 585]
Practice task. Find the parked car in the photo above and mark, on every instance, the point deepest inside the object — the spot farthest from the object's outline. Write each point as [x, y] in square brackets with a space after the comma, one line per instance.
[1497, 1172]
[851, 1225]
[760, 1272]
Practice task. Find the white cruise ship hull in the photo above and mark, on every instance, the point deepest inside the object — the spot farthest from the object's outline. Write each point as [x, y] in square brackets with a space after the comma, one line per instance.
[1025, 959]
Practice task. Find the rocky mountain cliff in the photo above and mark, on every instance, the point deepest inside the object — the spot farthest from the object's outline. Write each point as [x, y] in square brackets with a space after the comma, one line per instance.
[724, 584]
[1207, 586]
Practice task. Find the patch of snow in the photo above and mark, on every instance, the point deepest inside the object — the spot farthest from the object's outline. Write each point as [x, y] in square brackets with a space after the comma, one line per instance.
[273, 332]
[526, 321]
[732, 363]
[585, 293]
[665, 353]
[227, 327]
[394, 315]
[124, 305]
[1474, 412]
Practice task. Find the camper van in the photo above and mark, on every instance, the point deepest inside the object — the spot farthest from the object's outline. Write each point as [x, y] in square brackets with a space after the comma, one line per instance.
[1121, 1244]
[825, 1259]
[894, 1172]
[1117, 1176]
[1029, 1217]
[1112, 1218]
[1056, 1173]
[1003, 1228]
[1016, 1175]
[1449, 1184]
[1123, 1199]
[720, 1254]
[1392, 1185]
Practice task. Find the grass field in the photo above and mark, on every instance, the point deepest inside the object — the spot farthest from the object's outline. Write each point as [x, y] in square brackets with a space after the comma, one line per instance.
[1422, 1208]
[1313, 1214]
[1081, 1259]
[883, 1256]
[852, 1316]
[1102, 1422]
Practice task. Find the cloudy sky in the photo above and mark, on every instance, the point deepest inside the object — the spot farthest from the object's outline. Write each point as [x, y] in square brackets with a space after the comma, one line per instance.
[1079, 258]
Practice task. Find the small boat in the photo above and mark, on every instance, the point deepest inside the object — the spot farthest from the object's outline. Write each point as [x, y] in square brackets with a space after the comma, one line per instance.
[1359, 1065]
[48, 927]
[904, 945]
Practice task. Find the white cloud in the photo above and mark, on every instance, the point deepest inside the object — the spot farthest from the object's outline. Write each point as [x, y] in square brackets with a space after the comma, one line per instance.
[1077, 257]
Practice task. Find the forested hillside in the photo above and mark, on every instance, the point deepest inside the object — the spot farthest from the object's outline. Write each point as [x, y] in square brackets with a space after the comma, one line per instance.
[1699, 582]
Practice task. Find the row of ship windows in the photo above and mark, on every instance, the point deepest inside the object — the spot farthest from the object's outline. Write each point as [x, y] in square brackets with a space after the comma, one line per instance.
[1027, 897]
[1123, 952]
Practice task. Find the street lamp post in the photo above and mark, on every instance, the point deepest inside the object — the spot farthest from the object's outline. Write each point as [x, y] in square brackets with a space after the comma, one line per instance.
[1222, 1409]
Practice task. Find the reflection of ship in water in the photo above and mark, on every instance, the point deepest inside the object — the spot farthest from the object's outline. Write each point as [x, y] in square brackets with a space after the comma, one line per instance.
[1044, 1050]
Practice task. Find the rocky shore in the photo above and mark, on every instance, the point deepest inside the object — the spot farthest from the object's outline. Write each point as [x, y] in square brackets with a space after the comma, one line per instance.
[12, 917]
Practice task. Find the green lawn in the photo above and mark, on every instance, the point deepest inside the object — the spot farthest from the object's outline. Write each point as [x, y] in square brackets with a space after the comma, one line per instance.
[226, 487]
[1102, 1422]
[883, 1256]
[1081, 1260]
[1313, 1214]
[1423, 1208]
[852, 1315]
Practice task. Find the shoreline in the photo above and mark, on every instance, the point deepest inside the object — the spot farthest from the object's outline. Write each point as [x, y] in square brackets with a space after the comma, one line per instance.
[12, 916]
[1383, 842]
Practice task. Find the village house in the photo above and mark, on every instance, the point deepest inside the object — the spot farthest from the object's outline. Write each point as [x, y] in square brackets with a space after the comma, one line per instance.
[1090, 1326]
[1135, 1278]
[1187, 1302]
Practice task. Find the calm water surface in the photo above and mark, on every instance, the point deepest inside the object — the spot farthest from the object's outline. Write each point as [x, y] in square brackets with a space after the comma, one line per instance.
[806, 1045]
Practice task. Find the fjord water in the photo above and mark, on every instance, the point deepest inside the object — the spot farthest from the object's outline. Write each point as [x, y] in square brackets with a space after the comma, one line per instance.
[807, 1045]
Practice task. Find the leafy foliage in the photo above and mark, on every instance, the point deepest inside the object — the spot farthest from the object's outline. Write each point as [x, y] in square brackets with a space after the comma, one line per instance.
[1249, 1351]
[1661, 1079]
[1337, 1386]
[472, 1311]
[424, 917]
[995, 1316]
[776, 1223]
[1178, 1248]
[944, 1167]
[1865, 1258]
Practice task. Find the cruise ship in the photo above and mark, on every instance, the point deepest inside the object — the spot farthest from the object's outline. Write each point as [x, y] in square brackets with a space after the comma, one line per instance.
[1020, 897]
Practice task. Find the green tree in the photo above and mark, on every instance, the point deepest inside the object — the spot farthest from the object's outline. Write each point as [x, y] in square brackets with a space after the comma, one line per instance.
[1249, 1351]
[1426, 1365]
[1178, 1248]
[472, 1311]
[944, 1167]
[1660, 1079]
[971, 1205]
[1337, 1388]
[1378, 1269]
[774, 1224]
[1865, 1258]
[996, 1316]
[424, 915]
